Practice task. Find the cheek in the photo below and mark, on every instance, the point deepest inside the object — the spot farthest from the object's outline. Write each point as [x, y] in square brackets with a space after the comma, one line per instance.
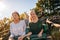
[33, 16]
[17, 17]
[13, 17]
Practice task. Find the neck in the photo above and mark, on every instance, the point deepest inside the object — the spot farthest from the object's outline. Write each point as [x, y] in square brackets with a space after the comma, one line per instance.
[16, 21]
[35, 20]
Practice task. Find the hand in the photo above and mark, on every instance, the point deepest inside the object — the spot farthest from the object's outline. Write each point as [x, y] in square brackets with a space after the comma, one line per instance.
[48, 21]
[28, 34]
[10, 38]
[20, 38]
[39, 35]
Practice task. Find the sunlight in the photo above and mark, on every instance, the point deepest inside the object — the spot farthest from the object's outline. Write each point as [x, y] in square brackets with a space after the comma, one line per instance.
[2, 6]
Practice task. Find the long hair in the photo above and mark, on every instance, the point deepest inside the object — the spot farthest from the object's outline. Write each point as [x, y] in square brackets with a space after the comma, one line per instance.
[30, 17]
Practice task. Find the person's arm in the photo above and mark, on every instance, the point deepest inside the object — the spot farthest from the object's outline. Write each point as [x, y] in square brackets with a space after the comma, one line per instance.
[40, 33]
[28, 34]
[11, 31]
[48, 21]
[23, 30]
[54, 24]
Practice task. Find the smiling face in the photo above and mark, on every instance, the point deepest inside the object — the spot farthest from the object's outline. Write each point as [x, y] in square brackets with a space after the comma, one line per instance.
[33, 16]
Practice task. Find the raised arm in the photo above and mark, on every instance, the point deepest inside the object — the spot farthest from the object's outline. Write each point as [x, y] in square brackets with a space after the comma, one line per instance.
[54, 24]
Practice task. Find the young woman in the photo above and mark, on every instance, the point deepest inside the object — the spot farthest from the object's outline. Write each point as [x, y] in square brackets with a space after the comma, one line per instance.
[17, 27]
[35, 25]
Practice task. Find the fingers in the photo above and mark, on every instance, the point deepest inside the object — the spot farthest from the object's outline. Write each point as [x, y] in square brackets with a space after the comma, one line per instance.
[20, 38]
[10, 39]
[39, 35]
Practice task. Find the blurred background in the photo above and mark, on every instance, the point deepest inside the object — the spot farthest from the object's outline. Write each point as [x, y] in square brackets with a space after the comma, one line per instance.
[44, 9]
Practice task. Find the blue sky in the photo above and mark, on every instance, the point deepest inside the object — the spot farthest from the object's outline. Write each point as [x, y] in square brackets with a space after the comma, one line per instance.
[16, 5]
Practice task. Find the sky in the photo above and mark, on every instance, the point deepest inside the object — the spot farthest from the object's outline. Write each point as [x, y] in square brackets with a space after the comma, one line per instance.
[8, 6]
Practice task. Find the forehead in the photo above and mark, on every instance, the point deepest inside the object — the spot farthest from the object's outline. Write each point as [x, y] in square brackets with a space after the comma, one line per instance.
[14, 14]
[32, 12]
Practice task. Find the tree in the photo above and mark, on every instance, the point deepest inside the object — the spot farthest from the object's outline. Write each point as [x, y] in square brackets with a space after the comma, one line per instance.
[50, 7]
[23, 16]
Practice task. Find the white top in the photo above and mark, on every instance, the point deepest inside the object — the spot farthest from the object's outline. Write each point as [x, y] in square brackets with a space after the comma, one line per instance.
[17, 29]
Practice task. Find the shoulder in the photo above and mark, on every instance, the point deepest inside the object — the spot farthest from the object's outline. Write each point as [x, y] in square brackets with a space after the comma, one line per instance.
[30, 23]
[11, 23]
[39, 21]
[22, 20]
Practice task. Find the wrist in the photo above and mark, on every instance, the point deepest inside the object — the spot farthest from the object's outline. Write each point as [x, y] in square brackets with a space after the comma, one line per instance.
[52, 24]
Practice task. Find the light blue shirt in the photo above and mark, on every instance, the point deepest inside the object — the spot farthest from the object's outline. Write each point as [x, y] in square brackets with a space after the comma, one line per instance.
[17, 29]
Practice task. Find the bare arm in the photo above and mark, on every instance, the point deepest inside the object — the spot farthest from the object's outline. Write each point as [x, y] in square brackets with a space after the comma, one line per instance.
[48, 21]
[40, 33]
[54, 24]
[29, 34]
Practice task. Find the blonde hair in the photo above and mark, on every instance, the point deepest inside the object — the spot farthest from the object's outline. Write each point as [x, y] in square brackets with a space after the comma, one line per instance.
[30, 17]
